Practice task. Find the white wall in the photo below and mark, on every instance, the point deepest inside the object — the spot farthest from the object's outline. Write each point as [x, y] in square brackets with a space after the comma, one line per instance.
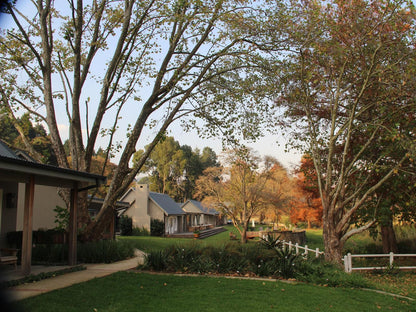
[139, 211]
[45, 201]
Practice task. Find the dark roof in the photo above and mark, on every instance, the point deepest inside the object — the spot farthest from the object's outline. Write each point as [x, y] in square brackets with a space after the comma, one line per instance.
[118, 204]
[204, 209]
[13, 168]
[5, 151]
[166, 203]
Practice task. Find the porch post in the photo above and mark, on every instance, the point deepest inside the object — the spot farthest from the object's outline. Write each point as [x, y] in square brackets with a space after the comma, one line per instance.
[72, 239]
[27, 226]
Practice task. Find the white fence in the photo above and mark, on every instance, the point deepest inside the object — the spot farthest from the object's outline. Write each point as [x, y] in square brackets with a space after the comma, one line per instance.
[349, 268]
[348, 258]
[297, 248]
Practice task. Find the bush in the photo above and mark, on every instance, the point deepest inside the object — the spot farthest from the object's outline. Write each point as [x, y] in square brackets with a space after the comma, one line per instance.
[322, 273]
[126, 225]
[157, 227]
[156, 260]
[140, 232]
[50, 253]
[53, 236]
[106, 251]
[250, 259]
[93, 252]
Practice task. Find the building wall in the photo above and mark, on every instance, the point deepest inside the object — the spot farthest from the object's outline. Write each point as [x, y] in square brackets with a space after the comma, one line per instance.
[8, 209]
[155, 212]
[45, 201]
[138, 211]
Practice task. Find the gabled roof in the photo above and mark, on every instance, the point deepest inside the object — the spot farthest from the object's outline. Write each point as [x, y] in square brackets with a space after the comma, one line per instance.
[205, 210]
[166, 203]
[128, 192]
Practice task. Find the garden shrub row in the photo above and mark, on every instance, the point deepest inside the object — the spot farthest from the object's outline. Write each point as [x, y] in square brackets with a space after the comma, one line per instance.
[249, 260]
[157, 228]
[106, 251]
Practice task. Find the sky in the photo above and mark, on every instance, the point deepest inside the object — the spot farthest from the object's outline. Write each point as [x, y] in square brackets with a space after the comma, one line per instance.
[270, 145]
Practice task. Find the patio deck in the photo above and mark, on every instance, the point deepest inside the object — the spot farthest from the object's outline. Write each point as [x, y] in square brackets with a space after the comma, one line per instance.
[203, 233]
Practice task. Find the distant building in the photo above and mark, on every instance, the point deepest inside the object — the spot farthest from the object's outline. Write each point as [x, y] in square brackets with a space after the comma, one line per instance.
[146, 205]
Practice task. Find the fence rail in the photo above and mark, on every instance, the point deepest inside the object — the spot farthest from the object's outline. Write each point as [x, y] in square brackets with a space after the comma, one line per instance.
[348, 258]
[349, 268]
[306, 249]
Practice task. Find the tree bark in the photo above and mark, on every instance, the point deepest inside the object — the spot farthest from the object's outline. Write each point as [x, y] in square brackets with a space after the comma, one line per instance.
[388, 238]
[333, 245]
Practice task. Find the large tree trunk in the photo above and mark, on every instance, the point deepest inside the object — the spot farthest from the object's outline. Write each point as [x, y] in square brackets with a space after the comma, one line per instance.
[332, 239]
[333, 245]
[388, 238]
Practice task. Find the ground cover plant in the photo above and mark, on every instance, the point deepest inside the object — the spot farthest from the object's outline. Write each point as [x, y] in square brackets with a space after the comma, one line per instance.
[130, 291]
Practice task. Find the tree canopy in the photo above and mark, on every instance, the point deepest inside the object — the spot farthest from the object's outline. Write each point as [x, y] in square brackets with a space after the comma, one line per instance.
[240, 189]
[348, 86]
[148, 63]
[173, 169]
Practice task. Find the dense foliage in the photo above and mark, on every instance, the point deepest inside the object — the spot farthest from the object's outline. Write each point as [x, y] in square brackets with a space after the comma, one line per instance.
[248, 260]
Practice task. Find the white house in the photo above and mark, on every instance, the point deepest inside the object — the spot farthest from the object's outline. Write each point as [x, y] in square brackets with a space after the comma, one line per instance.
[199, 215]
[146, 205]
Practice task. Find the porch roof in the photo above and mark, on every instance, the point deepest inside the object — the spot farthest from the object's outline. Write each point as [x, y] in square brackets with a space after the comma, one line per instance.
[18, 170]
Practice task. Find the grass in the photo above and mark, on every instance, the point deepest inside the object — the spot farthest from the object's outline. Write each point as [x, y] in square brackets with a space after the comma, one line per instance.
[151, 243]
[131, 291]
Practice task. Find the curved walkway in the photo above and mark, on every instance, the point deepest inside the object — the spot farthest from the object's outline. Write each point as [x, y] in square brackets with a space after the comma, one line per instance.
[92, 271]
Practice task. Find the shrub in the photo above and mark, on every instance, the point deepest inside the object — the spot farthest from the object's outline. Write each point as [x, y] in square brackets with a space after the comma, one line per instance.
[126, 225]
[252, 258]
[270, 242]
[92, 252]
[156, 260]
[104, 251]
[157, 227]
[285, 262]
[322, 273]
[50, 253]
[140, 232]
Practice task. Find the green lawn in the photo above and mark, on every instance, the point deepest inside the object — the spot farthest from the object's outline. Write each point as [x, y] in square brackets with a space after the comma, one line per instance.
[131, 291]
[148, 243]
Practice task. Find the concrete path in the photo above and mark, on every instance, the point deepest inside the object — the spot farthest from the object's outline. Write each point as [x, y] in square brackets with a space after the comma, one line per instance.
[93, 271]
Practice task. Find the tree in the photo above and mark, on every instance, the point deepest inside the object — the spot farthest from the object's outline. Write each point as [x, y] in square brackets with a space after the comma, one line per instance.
[278, 192]
[20, 133]
[53, 60]
[166, 165]
[238, 190]
[196, 163]
[307, 203]
[352, 74]
[173, 169]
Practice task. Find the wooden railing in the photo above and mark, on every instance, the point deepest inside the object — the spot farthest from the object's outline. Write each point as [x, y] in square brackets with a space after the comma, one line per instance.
[349, 268]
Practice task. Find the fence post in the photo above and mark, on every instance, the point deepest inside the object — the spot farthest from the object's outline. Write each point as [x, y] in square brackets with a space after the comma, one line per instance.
[290, 246]
[349, 263]
[346, 263]
[306, 250]
[317, 253]
[391, 259]
[297, 248]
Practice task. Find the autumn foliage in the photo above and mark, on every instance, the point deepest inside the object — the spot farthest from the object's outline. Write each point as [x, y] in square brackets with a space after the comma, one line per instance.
[306, 204]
